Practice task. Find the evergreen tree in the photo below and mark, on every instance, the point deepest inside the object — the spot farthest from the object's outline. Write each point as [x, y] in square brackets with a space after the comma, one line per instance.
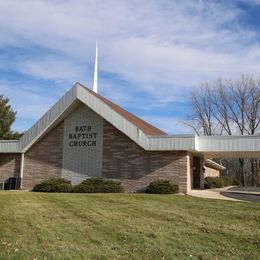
[7, 118]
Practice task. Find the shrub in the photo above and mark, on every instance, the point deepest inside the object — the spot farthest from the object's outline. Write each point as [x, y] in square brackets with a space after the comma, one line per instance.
[98, 185]
[208, 184]
[214, 182]
[219, 182]
[229, 181]
[162, 187]
[53, 185]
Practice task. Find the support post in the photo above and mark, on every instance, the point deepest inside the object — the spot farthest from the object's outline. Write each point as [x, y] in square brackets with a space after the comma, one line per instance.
[21, 169]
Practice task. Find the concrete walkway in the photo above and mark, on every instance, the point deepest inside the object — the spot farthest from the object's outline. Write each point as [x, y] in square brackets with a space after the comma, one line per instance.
[209, 194]
[229, 193]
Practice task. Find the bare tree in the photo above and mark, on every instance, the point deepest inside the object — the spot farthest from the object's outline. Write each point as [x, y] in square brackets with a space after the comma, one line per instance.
[202, 120]
[229, 107]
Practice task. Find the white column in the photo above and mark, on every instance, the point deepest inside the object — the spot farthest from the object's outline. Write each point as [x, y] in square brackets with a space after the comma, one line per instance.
[189, 172]
[21, 168]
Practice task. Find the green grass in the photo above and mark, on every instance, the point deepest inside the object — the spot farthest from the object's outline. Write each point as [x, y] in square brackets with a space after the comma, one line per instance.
[126, 226]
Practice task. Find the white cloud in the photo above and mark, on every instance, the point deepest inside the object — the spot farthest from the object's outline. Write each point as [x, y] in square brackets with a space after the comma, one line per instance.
[160, 48]
[49, 68]
[170, 38]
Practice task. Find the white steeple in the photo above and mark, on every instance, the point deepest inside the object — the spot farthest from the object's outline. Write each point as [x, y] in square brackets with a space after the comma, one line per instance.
[95, 80]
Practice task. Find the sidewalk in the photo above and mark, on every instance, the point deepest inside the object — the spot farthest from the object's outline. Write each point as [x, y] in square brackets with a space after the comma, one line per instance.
[232, 193]
[241, 190]
[209, 194]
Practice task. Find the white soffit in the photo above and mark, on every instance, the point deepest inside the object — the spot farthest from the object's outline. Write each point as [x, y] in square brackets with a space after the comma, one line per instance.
[212, 146]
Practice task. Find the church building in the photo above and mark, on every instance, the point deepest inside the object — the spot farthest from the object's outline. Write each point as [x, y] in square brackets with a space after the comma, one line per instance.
[86, 135]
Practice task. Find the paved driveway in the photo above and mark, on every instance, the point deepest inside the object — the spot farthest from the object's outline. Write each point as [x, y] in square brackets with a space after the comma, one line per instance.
[223, 194]
[241, 196]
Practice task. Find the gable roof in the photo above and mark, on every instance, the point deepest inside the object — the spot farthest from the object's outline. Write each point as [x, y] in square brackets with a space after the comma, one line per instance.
[132, 126]
[142, 133]
[138, 122]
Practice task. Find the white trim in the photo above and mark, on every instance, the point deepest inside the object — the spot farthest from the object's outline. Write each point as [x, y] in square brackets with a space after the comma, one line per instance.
[9, 146]
[21, 165]
[209, 147]
[48, 120]
[210, 163]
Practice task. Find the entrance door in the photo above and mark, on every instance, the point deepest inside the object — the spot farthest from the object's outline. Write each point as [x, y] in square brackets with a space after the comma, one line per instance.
[196, 173]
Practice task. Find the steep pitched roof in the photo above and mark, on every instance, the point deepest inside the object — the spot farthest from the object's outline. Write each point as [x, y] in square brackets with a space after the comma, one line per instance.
[138, 122]
[142, 133]
[135, 128]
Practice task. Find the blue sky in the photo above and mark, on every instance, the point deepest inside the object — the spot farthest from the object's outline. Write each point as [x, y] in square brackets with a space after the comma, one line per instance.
[152, 53]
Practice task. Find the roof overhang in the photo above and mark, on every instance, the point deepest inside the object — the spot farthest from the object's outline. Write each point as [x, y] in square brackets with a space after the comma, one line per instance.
[209, 147]
[246, 146]
[212, 164]
[9, 146]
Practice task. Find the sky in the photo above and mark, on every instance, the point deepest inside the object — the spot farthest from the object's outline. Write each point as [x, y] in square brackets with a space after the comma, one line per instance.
[152, 53]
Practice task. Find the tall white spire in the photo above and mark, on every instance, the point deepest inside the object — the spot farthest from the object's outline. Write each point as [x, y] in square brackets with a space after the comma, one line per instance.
[95, 80]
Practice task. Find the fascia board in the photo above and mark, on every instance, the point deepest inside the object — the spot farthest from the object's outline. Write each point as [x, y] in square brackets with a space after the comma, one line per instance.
[114, 118]
[47, 120]
[9, 146]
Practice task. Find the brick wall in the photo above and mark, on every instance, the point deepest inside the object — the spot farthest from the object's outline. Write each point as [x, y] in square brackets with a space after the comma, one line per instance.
[122, 159]
[135, 167]
[9, 166]
[44, 159]
[211, 172]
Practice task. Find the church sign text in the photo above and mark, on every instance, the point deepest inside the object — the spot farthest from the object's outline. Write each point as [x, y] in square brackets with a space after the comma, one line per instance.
[82, 136]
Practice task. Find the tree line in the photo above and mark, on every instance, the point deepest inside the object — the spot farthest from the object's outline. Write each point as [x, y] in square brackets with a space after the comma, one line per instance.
[7, 118]
[229, 107]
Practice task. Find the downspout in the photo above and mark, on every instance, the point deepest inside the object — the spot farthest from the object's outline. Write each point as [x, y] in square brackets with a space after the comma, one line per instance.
[21, 169]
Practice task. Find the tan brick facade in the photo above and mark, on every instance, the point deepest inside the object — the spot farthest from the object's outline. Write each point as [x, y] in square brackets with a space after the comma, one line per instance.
[82, 146]
[44, 159]
[211, 172]
[9, 166]
[123, 159]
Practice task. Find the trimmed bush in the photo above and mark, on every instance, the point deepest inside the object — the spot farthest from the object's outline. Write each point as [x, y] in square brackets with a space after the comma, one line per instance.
[53, 185]
[213, 182]
[230, 181]
[208, 184]
[219, 182]
[98, 185]
[162, 187]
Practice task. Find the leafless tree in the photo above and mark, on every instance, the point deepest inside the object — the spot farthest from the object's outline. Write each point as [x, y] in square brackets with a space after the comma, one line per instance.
[229, 107]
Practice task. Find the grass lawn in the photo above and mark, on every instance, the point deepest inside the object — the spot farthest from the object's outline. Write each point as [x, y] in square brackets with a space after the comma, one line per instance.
[126, 226]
